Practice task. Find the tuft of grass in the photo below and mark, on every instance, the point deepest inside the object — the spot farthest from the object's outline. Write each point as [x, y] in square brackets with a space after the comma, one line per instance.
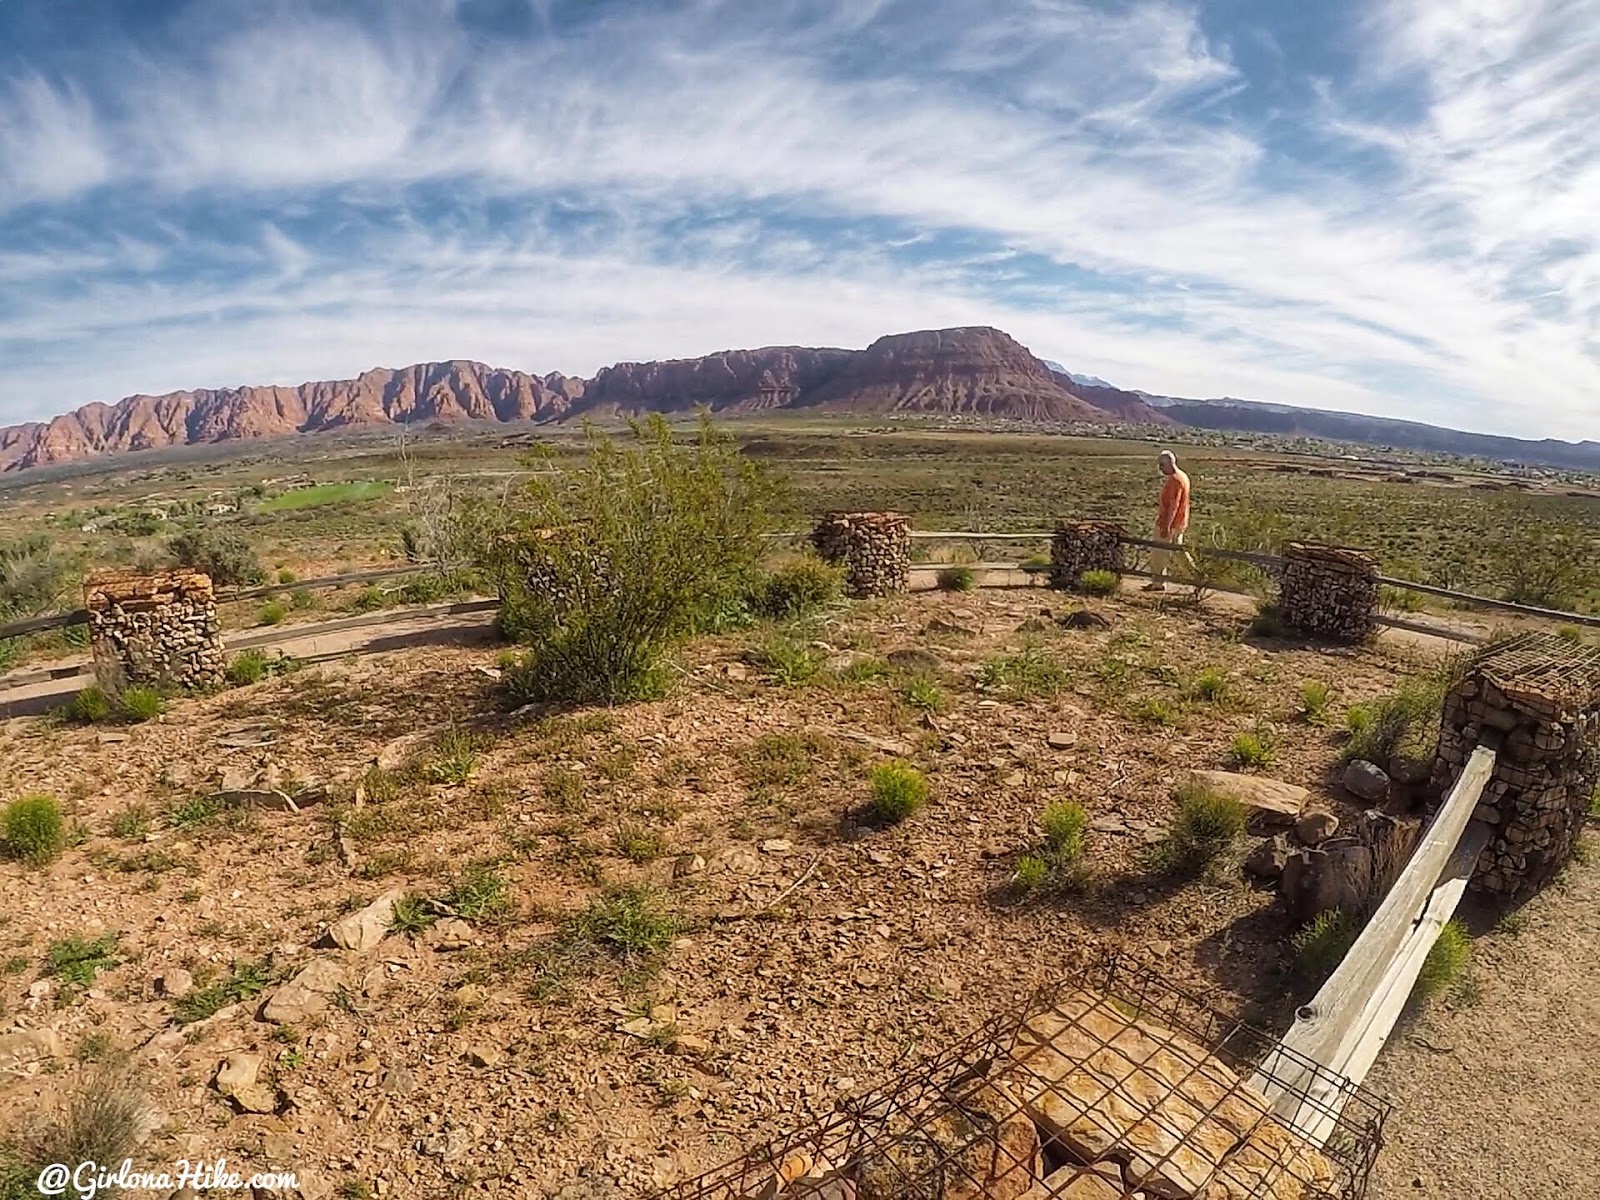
[90, 706]
[1032, 873]
[1207, 824]
[302, 599]
[1099, 583]
[923, 693]
[76, 960]
[1447, 961]
[865, 670]
[639, 843]
[956, 579]
[272, 613]
[1252, 749]
[33, 830]
[788, 661]
[898, 791]
[139, 704]
[629, 923]
[781, 759]
[1569, 633]
[1316, 698]
[196, 810]
[247, 667]
[1212, 685]
[132, 822]
[1027, 674]
[1321, 945]
[1157, 710]
[411, 914]
[243, 981]
[1066, 827]
[480, 893]
[455, 757]
[286, 576]
[102, 1121]
[563, 787]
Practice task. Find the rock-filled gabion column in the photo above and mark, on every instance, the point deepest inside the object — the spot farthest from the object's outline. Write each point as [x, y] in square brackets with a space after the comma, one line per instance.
[1080, 546]
[154, 630]
[874, 548]
[1328, 592]
[1540, 695]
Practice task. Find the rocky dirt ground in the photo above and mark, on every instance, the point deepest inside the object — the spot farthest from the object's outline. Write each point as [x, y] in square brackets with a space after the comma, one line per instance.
[506, 1050]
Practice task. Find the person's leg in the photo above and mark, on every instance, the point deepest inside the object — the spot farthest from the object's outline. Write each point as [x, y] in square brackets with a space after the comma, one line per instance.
[1160, 560]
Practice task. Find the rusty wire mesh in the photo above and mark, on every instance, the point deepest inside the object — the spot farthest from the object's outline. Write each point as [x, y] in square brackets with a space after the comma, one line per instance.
[1112, 1085]
[1545, 664]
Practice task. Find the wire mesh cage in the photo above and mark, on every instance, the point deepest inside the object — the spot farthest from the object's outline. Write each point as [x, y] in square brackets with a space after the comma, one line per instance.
[1111, 1085]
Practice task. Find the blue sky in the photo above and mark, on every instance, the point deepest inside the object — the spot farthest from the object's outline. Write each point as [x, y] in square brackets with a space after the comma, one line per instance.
[1388, 206]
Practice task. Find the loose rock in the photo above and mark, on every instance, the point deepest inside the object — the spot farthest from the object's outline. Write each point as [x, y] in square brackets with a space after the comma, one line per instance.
[1270, 800]
[362, 931]
[1366, 781]
[1315, 826]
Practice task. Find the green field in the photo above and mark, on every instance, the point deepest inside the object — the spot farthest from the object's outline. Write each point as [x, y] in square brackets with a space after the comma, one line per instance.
[325, 493]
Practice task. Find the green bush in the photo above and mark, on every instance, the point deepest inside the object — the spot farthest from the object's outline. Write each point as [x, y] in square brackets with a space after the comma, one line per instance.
[90, 706]
[956, 579]
[302, 599]
[798, 588]
[1033, 872]
[1099, 583]
[1253, 748]
[480, 893]
[1404, 722]
[628, 923]
[272, 613]
[1066, 828]
[898, 791]
[33, 829]
[77, 960]
[227, 557]
[139, 704]
[604, 565]
[923, 693]
[1448, 959]
[1212, 685]
[1321, 945]
[640, 843]
[412, 914]
[247, 667]
[1206, 825]
[455, 757]
[32, 578]
[1316, 698]
[285, 575]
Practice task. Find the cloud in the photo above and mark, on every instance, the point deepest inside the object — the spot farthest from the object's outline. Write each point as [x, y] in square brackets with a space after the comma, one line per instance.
[1101, 181]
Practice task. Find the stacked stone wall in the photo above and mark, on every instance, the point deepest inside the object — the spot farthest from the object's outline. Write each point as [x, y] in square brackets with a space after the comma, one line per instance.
[1080, 546]
[873, 548]
[158, 630]
[1536, 699]
[1327, 592]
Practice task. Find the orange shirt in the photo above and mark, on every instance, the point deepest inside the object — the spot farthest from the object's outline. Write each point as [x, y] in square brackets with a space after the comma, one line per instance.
[1174, 516]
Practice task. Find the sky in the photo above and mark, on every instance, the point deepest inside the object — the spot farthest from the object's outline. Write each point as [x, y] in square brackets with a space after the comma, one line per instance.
[1382, 206]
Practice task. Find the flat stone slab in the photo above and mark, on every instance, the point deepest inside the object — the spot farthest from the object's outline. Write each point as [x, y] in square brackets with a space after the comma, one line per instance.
[1272, 800]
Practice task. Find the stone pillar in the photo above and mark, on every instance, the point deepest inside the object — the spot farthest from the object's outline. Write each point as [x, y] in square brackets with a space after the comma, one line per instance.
[1080, 546]
[1328, 592]
[156, 630]
[1539, 694]
[874, 548]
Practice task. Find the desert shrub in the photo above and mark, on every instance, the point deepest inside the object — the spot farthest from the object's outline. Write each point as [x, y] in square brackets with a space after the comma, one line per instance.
[922, 693]
[90, 706]
[1157, 710]
[370, 599]
[1537, 557]
[1211, 685]
[798, 588]
[602, 566]
[1035, 562]
[272, 613]
[1099, 583]
[780, 759]
[1206, 825]
[247, 667]
[139, 704]
[898, 791]
[639, 843]
[286, 576]
[1321, 945]
[1316, 697]
[788, 660]
[1028, 673]
[1252, 748]
[33, 830]
[1404, 722]
[628, 923]
[302, 599]
[227, 557]
[1448, 959]
[956, 579]
[1032, 872]
[132, 822]
[1403, 600]
[103, 1120]
[33, 578]
[1066, 828]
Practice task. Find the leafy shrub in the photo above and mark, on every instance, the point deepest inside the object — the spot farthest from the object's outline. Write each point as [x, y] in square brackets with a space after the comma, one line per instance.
[956, 579]
[1066, 827]
[1028, 673]
[898, 791]
[1404, 722]
[247, 667]
[139, 704]
[272, 613]
[76, 960]
[33, 829]
[1391, 599]
[1448, 959]
[411, 914]
[1321, 945]
[227, 557]
[1206, 825]
[923, 693]
[32, 578]
[1099, 583]
[1212, 685]
[865, 670]
[196, 810]
[604, 565]
[798, 588]
[302, 599]
[1316, 698]
[1252, 748]
[90, 706]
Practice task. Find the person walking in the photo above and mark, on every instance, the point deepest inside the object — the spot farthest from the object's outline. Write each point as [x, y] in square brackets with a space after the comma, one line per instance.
[1171, 521]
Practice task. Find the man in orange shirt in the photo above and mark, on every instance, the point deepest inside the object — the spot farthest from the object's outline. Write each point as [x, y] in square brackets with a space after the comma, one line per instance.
[1172, 520]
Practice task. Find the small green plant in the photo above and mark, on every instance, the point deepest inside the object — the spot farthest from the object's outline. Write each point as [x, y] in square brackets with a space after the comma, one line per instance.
[563, 787]
[227, 557]
[799, 588]
[865, 670]
[192, 812]
[90, 706]
[789, 662]
[140, 704]
[1253, 748]
[302, 599]
[132, 823]
[1316, 698]
[1032, 873]
[286, 576]
[272, 613]
[956, 579]
[1029, 673]
[639, 843]
[1066, 828]
[480, 893]
[1035, 562]
[1157, 710]
[1322, 945]
[629, 923]
[411, 915]
[780, 759]
[1206, 825]
[1212, 685]
[923, 693]
[898, 791]
[247, 667]
[1099, 583]
[76, 960]
[33, 829]
[244, 980]
[96, 1048]
[455, 757]
[1569, 633]
[1447, 961]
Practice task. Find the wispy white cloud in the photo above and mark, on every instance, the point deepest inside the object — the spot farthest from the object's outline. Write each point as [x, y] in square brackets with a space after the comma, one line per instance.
[751, 169]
